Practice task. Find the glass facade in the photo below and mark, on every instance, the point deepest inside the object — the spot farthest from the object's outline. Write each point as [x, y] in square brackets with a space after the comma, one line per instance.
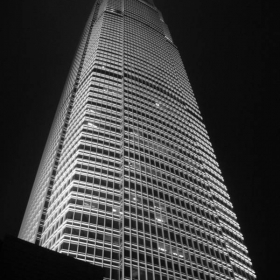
[128, 179]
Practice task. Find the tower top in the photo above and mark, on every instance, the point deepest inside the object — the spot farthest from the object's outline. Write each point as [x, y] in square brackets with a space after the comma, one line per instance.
[151, 2]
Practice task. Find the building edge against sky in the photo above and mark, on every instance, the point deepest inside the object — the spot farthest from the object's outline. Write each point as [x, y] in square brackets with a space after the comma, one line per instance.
[128, 179]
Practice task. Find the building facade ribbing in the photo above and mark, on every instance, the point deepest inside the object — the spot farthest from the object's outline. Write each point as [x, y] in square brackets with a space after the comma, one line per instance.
[128, 179]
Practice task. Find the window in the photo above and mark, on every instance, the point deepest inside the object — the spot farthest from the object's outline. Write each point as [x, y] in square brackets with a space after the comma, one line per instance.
[163, 247]
[92, 124]
[160, 218]
[116, 210]
[177, 252]
[158, 205]
[135, 198]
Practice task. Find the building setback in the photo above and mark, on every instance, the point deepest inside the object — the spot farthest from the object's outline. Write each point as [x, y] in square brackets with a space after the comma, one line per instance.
[20, 260]
[129, 180]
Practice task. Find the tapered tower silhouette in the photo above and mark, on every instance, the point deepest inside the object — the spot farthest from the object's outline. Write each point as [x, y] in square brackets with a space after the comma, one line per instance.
[128, 179]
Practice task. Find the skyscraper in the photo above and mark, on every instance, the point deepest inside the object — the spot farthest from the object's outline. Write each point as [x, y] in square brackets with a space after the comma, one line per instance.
[128, 179]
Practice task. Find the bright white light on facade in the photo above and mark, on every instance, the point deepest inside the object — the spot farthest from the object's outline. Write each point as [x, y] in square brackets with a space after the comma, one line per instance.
[92, 125]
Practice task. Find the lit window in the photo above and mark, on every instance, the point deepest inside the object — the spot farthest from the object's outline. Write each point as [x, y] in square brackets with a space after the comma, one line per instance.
[162, 247]
[116, 210]
[177, 252]
[159, 218]
[159, 206]
[133, 133]
[92, 125]
[135, 198]
[94, 205]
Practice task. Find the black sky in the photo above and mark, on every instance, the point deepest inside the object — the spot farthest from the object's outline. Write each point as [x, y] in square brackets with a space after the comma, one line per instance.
[219, 42]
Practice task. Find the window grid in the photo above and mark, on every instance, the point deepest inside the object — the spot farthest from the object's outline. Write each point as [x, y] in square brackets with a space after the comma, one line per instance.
[131, 177]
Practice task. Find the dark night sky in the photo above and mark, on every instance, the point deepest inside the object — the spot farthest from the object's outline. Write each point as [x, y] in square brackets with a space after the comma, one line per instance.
[219, 42]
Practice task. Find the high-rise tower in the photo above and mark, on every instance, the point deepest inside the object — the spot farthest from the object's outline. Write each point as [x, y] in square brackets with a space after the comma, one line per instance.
[128, 179]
